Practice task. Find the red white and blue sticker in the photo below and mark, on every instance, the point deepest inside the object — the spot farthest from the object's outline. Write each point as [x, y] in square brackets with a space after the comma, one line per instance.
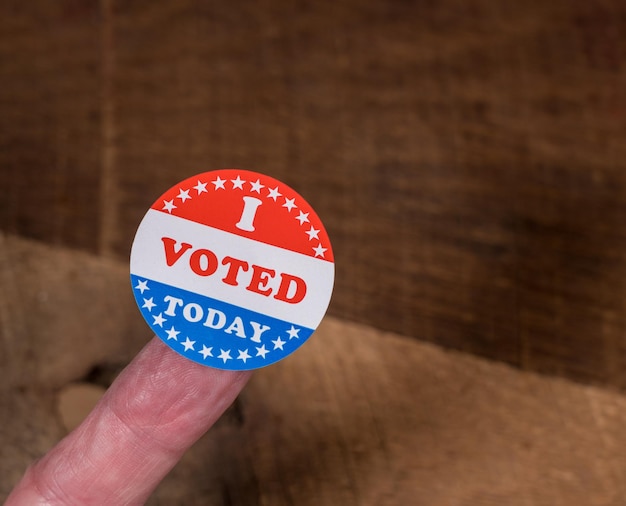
[232, 269]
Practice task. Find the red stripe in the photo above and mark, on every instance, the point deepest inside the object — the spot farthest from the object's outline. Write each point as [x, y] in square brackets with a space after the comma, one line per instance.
[222, 209]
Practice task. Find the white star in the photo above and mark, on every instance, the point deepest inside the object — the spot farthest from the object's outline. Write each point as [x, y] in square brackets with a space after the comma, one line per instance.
[256, 186]
[158, 320]
[219, 183]
[278, 343]
[289, 204]
[142, 286]
[312, 234]
[168, 205]
[274, 193]
[319, 251]
[243, 355]
[201, 187]
[148, 303]
[261, 352]
[225, 355]
[206, 352]
[188, 344]
[293, 332]
[172, 334]
[238, 183]
[303, 218]
[183, 195]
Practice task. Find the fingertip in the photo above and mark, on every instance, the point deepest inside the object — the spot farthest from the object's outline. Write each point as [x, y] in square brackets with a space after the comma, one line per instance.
[26, 493]
[156, 408]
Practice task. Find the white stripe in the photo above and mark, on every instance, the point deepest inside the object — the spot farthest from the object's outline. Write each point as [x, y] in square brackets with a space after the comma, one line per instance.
[147, 260]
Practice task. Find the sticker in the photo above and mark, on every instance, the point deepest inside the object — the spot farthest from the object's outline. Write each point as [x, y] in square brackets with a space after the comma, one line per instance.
[232, 269]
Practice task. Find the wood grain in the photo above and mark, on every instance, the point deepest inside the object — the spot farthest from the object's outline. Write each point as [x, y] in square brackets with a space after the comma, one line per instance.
[466, 156]
[355, 417]
[50, 107]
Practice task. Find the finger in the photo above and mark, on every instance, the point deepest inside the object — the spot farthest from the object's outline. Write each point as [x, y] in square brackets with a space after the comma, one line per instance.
[158, 407]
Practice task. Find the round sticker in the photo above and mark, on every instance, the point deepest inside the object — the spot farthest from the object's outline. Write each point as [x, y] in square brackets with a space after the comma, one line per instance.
[232, 269]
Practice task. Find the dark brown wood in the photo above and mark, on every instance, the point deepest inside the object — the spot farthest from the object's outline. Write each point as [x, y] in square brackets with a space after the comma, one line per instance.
[50, 121]
[467, 157]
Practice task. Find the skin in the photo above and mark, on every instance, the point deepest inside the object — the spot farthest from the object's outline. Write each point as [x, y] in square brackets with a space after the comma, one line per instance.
[154, 411]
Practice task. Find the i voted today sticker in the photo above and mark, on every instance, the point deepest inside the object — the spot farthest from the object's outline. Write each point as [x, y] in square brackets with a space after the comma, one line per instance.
[232, 269]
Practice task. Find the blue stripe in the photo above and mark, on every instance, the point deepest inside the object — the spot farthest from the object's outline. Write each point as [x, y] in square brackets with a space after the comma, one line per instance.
[177, 329]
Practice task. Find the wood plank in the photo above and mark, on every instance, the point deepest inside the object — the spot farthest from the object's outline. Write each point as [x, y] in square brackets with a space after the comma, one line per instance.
[50, 137]
[467, 157]
[357, 416]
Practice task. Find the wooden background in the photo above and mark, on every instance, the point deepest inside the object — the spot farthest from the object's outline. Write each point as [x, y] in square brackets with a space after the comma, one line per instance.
[469, 161]
[468, 157]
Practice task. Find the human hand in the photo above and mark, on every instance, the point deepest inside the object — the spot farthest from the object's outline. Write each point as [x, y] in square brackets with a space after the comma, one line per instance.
[153, 412]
